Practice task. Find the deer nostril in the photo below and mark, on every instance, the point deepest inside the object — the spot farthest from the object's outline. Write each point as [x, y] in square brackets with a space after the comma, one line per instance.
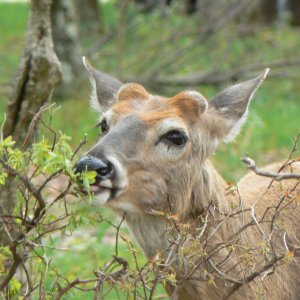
[105, 171]
[104, 168]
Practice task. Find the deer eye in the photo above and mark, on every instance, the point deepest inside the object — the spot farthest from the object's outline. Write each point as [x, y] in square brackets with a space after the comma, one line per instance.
[176, 137]
[104, 126]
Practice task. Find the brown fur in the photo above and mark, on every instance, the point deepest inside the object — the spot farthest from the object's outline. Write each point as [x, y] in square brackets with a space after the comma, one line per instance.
[132, 91]
[200, 188]
[183, 182]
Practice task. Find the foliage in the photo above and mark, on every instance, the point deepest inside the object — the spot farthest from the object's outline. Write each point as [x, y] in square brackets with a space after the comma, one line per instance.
[53, 217]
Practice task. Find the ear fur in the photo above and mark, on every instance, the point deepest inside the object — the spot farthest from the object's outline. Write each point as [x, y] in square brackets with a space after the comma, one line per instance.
[230, 107]
[104, 87]
[203, 104]
[189, 103]
[132, 91]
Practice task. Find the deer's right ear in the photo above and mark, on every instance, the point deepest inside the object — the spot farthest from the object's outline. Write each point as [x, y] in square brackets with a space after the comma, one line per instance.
[104, 87]
[229, 108]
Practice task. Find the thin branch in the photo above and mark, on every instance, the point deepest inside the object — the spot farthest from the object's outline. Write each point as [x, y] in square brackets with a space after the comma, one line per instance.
[82, 142]
[253, 275]
[36, 118]
[117, 235]
[25, 180]
[216, 77]
[72, 284]
[276, 176]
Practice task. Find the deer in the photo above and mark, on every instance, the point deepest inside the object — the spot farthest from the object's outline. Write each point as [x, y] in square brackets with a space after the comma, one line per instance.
[154, 156]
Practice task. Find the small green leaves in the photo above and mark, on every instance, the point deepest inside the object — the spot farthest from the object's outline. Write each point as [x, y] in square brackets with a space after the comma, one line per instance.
[14, 286]
[3, 176]
[91, 176]
[87, 178]
[7, 143]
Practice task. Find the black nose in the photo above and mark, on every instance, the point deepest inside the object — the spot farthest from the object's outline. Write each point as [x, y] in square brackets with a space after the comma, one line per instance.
[104, 168]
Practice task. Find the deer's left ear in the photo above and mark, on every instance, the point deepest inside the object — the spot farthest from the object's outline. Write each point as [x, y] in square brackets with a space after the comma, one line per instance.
[104, 87]
[230, 107]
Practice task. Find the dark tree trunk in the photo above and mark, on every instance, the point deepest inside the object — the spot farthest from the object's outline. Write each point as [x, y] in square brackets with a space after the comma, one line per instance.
[88, 12]
[38, 74]
[147, 6]
[268, 10]
[191, 6]
[295, 12]
[66, 41]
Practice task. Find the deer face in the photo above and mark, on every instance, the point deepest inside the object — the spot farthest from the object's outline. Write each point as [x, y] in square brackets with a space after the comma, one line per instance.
[154, 148]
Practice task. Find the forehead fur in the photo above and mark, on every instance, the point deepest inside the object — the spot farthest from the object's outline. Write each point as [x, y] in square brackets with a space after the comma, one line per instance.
[155, 108]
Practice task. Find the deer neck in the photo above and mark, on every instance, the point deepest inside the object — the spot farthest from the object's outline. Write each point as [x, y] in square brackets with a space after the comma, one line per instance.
[206, 194]
[150, 232]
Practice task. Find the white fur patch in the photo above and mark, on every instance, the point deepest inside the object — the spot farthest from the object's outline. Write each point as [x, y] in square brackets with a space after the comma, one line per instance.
[93, 97]
[124, 205]
[236, 127]
[101, 198]
[170, 124]
[162, 149]
[122, 180]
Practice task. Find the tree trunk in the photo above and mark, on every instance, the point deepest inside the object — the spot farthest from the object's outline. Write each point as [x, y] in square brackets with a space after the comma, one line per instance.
[66, 42]
[88, 12]
[191, 6]
[295, 11]
[268, 10]
[37, 76]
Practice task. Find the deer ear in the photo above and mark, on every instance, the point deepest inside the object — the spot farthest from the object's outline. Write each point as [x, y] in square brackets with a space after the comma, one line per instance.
[230, 107]
[132, 91]
[104, 87]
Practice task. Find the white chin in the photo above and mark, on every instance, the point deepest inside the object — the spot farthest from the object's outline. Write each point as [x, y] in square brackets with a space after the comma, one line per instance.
[102, 197]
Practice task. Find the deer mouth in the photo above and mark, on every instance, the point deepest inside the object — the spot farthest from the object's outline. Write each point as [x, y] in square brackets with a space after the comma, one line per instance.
[97, 189]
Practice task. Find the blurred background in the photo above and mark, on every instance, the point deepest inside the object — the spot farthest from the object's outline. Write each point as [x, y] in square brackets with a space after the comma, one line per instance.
[168, 46]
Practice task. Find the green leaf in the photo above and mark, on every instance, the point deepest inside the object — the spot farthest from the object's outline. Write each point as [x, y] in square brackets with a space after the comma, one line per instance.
[14, 286]
[91, 175]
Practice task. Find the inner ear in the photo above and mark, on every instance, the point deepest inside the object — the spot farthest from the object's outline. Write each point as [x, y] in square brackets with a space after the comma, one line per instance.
[104, 87]
[229, 108]
[132, 91]
[191, 103]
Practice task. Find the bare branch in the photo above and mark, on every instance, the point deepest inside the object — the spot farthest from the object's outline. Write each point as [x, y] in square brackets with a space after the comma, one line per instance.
[276, 176]
[216, 77]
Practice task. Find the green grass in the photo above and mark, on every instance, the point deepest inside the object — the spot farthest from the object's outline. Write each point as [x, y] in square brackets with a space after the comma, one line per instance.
[13, 20]
[273, 120]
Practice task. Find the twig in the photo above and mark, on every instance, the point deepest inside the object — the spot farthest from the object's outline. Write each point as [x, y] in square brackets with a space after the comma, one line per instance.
[73, 284]
[216, 77]
[276, 176]
[256, 222]
[82, 142]
[25, 180]
[117, 235]
[36, 118]
[252, 276]
[1, 129]
[13, 268]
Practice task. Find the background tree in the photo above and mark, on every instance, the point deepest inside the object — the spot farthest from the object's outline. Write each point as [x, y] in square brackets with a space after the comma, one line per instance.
[268, 9]
[65, 27]
[89, 17]
[295, 12]
[38, 74]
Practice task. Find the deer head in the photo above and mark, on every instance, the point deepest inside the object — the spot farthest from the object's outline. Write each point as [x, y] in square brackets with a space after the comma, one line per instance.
[153, 152]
